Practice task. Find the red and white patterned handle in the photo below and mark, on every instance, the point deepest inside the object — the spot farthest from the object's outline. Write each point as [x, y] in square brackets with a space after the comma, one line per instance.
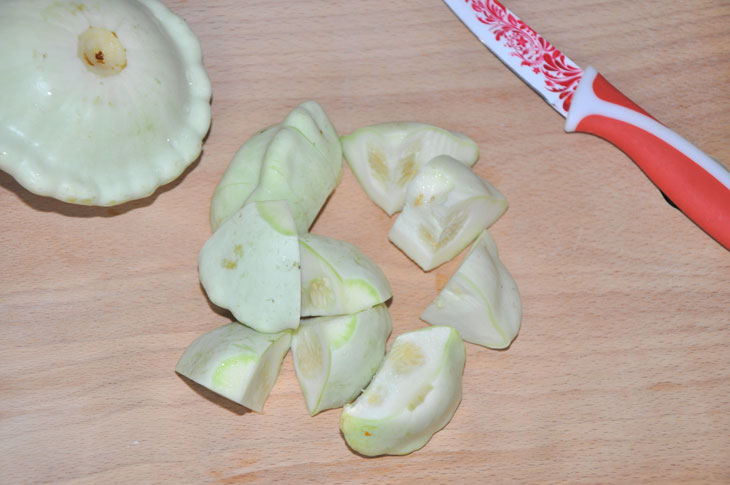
[698, 185]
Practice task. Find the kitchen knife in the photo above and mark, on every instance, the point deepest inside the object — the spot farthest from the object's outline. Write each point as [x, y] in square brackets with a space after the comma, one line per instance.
[694, 183]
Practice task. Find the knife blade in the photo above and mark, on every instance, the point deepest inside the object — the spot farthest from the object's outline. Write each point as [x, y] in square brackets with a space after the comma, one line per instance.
[695, 183]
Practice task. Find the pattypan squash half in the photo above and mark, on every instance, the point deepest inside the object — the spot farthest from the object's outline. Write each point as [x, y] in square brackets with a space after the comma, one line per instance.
[102, 101]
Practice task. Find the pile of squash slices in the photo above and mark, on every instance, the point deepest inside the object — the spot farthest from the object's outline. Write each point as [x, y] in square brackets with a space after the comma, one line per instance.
[327, 301]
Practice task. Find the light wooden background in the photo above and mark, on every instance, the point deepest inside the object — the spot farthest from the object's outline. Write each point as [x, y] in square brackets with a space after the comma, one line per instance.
[621, 373]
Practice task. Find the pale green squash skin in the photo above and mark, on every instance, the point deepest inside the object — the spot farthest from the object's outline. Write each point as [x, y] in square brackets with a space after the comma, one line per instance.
[236, 362]
[240, 178]
[294, 170]
[351, 348]
[299, 160]
[250, 266]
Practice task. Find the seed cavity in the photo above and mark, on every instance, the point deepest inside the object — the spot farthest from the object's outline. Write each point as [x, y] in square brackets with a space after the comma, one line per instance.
[375, 396]
[405, 357]
[408, 169]
[309, 355]
[320, 292]
[420, 397]
[456, 222]
[378, 166]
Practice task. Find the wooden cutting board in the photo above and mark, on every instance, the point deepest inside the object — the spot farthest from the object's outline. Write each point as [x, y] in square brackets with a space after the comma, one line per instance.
[620, 373]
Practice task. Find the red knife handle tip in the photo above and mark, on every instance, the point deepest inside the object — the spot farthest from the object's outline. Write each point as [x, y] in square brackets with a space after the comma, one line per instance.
[698, 185]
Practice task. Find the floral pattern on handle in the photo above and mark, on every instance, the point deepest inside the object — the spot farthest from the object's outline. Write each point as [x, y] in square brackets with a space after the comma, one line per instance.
[561, 76]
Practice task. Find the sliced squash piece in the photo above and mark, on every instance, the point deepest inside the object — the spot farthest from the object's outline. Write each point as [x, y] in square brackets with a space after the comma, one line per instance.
[310, 119]
[338, 278]
[385, 157]
[447, 206]
[481, 299]
[294, 170]
[250, 266]
[299, 160]
[236, 362]
[412, 396]
[241, 177]
[335, 357]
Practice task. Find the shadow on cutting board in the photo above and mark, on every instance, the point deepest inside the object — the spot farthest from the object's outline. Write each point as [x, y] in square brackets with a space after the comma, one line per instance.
[215, 398]
[216, 309]
[49, 204]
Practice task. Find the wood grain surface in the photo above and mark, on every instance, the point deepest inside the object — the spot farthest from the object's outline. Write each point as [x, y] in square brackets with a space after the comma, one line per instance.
[620, 374]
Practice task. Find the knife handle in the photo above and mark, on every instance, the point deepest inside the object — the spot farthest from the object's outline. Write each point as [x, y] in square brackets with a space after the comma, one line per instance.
[695, 183]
